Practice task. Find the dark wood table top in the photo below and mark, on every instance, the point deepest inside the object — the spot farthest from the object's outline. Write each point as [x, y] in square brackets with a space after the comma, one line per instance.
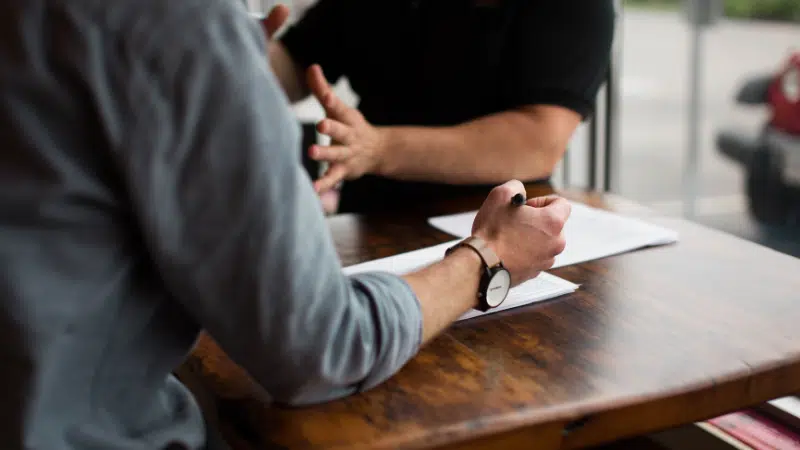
[652, 339]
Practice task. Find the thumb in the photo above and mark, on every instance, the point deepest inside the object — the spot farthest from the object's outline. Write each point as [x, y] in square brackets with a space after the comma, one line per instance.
[275, 20]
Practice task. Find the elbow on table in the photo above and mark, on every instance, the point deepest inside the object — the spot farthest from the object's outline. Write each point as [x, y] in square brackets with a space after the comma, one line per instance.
[297, 384]
[353, 340]
[307, 394]
[308, 377]
[325, 363]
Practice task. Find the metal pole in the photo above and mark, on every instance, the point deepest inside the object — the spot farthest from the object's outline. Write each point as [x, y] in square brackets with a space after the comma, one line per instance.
[612, 122]
[593, 125]
[692, 169]
[613, 94]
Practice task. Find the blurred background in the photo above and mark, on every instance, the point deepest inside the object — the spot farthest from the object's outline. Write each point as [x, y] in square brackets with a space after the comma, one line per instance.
[752, 38]
[748, 41]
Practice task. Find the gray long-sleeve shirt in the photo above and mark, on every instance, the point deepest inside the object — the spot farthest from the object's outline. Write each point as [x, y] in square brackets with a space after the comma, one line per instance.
[151, 186]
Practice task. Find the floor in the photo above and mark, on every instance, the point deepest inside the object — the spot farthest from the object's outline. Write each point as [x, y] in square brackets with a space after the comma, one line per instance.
[688, 437]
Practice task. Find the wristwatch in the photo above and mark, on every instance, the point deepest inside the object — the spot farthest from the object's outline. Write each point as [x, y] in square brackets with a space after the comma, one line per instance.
[495, 278]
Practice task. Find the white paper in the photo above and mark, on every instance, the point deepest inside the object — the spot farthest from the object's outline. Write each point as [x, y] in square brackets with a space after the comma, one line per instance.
[543, 287]
[591, 233]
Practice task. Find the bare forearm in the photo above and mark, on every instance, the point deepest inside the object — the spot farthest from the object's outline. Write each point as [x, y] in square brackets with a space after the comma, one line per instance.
[289, 74]
[492, 149]
[446, 290]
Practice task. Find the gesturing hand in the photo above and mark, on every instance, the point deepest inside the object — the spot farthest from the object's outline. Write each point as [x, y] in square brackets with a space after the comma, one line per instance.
[356, 145]
[528, 238]
[275, 20]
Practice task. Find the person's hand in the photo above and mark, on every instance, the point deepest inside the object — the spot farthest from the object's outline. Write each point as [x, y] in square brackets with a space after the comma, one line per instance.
[275, 20]
[356, 145]
[526, 238]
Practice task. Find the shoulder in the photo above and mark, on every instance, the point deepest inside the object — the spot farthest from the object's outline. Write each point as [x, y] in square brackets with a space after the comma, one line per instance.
[148, 27]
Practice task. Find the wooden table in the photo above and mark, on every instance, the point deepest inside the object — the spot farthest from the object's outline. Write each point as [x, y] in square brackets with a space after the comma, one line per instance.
[652, 339]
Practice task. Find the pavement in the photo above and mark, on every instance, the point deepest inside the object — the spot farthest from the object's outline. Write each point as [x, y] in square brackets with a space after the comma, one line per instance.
[653, 126]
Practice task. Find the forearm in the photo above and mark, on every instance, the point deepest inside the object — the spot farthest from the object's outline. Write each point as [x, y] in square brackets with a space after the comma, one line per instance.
[446, 290]
[289, 74]
[377, 327]
[370, 327]
[489, 150]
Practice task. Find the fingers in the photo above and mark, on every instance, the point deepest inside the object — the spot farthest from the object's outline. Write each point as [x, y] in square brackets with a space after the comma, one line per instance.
[275, 20]
[317, 82]
[332, 153]
[329, 200]
[560, 208]
[333, 105]
[504, 192]
[514, 187]
[552, 218]
[332, 177]
[559, 245]
[337, 109]
[337, 131]
[541, 202]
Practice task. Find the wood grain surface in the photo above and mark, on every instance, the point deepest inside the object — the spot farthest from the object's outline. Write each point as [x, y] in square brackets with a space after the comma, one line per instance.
[652, 339]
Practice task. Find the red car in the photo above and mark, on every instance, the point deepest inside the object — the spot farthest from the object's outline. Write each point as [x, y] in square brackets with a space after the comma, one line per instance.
[771, 159]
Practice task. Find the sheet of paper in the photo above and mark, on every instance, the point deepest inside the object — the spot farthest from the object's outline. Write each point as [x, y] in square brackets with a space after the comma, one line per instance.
[591, 233]
[543, 287]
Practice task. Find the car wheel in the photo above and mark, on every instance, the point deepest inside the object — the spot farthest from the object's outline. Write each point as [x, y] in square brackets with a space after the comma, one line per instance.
[768, 197]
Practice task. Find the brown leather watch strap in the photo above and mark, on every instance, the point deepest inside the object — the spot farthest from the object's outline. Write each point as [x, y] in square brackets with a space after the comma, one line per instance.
[482, 248]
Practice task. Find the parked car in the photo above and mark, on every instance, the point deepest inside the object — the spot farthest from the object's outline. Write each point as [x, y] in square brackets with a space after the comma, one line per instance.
[771, 158]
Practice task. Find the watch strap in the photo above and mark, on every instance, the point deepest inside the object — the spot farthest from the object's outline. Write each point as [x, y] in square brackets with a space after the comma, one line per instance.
[481, 247]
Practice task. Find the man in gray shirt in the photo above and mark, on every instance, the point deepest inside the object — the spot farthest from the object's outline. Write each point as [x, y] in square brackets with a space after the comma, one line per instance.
[151, 188]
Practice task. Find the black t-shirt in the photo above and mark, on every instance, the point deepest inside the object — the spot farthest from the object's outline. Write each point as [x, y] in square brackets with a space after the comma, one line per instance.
[444, 62]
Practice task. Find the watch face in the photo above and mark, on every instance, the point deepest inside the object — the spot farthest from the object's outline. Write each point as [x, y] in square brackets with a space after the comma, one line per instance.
[498, 288]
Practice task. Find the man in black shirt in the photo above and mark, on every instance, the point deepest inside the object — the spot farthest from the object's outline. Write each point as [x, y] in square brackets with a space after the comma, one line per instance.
[453, 93]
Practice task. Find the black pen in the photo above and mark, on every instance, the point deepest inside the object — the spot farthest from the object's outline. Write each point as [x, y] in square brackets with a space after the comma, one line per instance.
[518, 200]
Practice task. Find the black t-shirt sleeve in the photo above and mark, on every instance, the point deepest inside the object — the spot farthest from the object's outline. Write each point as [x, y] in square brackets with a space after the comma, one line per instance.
[559, 54]
[319, 37]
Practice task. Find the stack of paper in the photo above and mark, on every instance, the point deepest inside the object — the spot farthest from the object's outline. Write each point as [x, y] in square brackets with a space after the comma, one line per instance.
[543, 287]
[591, 233]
